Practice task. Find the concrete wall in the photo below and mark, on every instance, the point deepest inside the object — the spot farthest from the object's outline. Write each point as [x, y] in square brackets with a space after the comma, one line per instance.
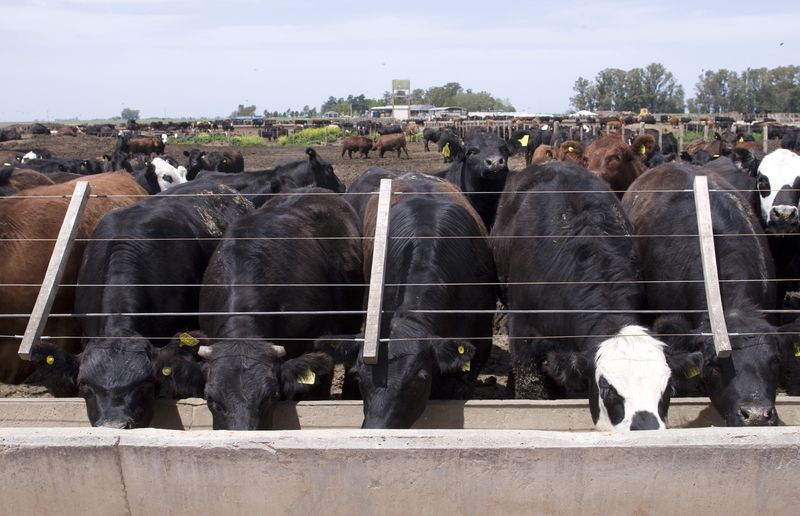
[192, 414]
[503, 472]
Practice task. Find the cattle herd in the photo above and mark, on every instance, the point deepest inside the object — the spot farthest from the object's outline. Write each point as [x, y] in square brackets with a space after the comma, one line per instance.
[245, 287]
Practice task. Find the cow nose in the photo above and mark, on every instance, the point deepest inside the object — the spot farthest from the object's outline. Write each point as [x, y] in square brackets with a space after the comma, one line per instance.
[755, 415]
[495, 163]
[120, 424]
[643, 420]
[784, 212]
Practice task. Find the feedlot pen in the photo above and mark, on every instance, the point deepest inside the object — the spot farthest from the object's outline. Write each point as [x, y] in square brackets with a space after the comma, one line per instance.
[519, 466]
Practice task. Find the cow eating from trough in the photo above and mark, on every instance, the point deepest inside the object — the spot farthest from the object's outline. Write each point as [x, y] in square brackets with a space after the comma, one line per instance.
[578, 258]
[423, 354]
[296, 253]
[742, 386]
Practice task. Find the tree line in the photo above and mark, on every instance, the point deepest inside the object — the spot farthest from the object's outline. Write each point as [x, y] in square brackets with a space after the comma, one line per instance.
[654, 87]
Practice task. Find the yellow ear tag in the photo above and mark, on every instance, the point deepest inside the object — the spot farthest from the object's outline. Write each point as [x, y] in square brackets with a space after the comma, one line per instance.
[570, 149]
[308, 378]
[715, 156]
[465, 367]
[692, 372]
[741, 139]
[188, 341]
[461, 350]
[797, 350]
[166, 371]
[642, 150]
[50, 359]
[446, 150]
[524, 141]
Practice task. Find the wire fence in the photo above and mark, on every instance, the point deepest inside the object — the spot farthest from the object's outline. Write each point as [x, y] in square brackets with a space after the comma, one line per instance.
[497, 284]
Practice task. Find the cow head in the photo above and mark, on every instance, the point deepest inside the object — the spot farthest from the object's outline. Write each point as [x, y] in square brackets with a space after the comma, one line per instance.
[114, 376]
[742, 386]
[778, 182]
[177, 367]
[245, 379]
[616, 162]
[167, 175]
[397, 388]
[485, 157]
[570, 150]
[323, 172]
[198, 160]
[628, 379]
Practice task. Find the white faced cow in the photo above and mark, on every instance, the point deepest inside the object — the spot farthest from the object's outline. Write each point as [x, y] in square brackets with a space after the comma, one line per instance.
[167, 174]
[778, 175]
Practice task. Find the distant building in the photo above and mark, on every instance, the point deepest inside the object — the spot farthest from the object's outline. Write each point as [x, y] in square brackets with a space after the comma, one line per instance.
[331, 114]
[401, 112]
[447, 112]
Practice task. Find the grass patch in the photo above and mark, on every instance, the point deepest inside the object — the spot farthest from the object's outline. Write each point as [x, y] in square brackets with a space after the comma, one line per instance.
[207, 138]
[312, 136]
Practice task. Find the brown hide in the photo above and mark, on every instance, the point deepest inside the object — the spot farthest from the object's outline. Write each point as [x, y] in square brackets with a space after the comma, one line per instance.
[543, 154]
[36, 214]
[25, 178]
[570, 150]
[390, 142]
[615, 162]
[408, 183]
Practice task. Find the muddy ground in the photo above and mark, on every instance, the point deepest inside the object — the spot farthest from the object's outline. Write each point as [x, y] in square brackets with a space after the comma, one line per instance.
[492, 383]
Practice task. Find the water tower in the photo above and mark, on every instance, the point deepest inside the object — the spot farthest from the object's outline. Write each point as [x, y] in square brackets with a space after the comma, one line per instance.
[401, 99]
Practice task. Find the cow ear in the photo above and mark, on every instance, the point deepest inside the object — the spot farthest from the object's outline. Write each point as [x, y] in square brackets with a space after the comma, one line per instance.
[685, 366]
[312, 154]
[571, 370]
[301, 374]
[685, 156]
[745, 160]
[344, 349]
[56, 369]
[452, 356]
[187, 343]
[186, 153]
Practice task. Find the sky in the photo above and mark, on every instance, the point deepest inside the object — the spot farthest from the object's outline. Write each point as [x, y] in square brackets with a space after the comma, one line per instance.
[198, 58]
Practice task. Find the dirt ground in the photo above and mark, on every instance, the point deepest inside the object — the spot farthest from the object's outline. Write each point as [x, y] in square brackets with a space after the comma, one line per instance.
[492, 383]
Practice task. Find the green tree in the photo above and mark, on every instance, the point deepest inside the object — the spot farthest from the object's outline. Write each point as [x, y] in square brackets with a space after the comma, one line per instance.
[243, 110]
[652, 87]
[130, 114]
[442, 96]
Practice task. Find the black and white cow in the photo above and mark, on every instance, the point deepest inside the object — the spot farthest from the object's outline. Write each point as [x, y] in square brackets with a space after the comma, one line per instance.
[579, 259]
[661, 206]
[296, 253]
[438, 258]
[144, 259]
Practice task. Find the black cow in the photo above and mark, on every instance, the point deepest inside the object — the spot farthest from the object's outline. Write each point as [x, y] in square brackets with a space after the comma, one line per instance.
[393, 129]
[147, 258]
[430, 134]
[257, 185]
[661, 207]
[448, 145]
[228, 162]
[39, 129]
[480, 169]
[428, 355]
[177, 367]
[46, 166]
[304, 238]
[580, 258]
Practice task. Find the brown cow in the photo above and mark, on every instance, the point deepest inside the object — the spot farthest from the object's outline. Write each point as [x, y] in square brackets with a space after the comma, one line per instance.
[543, 154]
[67, 131]
[21, 179]
[615, 161]
[391, 142]
[573, 151]
[141, 144]
[37, 214]
[10, 158]
[353, 144]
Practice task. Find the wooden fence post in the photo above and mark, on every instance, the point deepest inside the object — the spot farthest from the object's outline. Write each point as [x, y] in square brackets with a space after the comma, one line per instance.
[55, 269]
[716, 315]
[766, 138]
[372, 324]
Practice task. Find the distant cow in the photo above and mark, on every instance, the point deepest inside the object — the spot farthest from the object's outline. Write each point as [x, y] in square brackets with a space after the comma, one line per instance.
[616, 162]
[140, 144]
[394, 129]
[227, 161]
[32, 220]
[390, 142]
[360, 144]
[480, 169]
[661, 206]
